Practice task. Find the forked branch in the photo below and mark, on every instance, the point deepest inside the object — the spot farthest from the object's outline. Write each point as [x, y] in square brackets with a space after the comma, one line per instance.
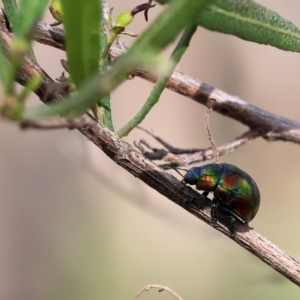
[177, 157]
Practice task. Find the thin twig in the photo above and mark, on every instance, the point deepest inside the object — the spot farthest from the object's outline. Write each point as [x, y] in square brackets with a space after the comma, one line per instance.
[169, 147]
[210, 137]
[271, 127]
[184, 157]
[52, 124]
[160, 288]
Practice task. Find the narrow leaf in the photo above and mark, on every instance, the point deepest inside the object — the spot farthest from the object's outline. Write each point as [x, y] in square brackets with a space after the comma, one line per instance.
[250, 21]
[28, 14]
[104, 103]
[82, 24]
[10, 7]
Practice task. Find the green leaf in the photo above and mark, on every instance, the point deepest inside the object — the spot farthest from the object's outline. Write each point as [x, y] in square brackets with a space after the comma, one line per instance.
[250, 21]
[28, 14]
[10, 7]
[82, 20]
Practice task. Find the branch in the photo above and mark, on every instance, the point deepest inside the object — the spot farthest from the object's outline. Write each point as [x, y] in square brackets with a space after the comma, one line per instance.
[270, 126]
[51, 124]
[134, 162]
[182, 157]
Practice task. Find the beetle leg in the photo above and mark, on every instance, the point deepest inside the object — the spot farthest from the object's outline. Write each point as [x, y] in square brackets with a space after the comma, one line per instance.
[249, 226]
[188, 201]
[191, 200]
[205, 194]
[231, 226]
[214, 207]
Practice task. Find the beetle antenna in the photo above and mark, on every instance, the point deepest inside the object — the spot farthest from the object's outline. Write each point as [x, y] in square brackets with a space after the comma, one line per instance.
[176, 169]
[206, 122]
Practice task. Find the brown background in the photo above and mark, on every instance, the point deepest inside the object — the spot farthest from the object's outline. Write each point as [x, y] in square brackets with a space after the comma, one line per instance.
[73, 225]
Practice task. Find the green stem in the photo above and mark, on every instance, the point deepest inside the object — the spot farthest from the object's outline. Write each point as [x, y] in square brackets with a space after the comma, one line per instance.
[114, 34]
[104, 103]
[161, 82]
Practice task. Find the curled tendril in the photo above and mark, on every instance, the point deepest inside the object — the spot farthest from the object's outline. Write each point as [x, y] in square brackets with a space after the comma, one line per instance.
[143, 7]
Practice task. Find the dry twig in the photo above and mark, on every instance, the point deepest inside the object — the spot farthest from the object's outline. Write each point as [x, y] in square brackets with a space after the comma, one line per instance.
[58, 123]
[177, 157]
[160, 288]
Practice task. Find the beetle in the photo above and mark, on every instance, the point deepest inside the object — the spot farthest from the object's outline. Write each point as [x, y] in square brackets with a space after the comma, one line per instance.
[234, 191]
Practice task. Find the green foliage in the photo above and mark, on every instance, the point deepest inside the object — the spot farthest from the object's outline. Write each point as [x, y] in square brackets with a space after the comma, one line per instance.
[82, 23]
[253, 22]
[27, 15]
[10, 7]
[250, 21]
[22, 20]
[87, 46]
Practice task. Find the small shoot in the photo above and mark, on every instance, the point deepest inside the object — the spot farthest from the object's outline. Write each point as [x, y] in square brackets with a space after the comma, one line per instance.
[57, 12]
[123, 20]
[210, 137]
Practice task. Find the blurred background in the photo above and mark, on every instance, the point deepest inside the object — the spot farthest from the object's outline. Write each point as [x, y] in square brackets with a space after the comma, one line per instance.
[74, 225]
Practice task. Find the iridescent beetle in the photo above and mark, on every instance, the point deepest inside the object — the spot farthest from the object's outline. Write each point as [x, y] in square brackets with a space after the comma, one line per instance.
[234, 191]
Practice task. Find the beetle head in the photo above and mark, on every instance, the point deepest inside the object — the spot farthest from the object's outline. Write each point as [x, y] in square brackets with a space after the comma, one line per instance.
[192, 175]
